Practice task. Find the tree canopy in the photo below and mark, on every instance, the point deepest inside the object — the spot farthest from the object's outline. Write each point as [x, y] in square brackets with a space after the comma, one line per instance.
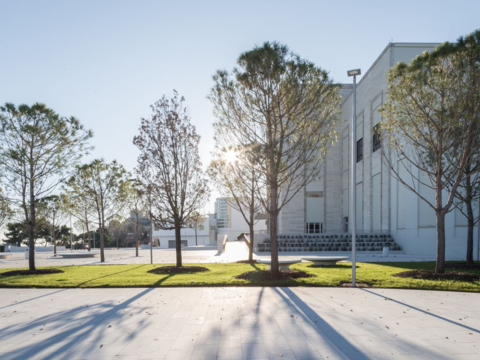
[287, 108]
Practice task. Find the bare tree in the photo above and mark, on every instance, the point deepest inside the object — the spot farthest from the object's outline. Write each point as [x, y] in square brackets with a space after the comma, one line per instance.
[79, 201]
[136, 205]
[56, 213]
[237, 179]
[116, 228]
[467, 201]
[37, 151]
[431, 121]
[107, 191]
[6, 212]
[169, 166]
[195, 222]
[288, 108]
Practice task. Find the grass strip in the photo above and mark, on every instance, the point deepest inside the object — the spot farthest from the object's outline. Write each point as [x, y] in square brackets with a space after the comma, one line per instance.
[379, 275]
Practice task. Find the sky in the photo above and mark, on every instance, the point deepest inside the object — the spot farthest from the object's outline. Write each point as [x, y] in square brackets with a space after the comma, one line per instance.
[105, 62]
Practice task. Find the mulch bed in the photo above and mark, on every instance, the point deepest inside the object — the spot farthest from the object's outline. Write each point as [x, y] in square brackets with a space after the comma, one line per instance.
[462, 265]
[35, 272]
[176, 270]
[268, 275]
[246, 261]
[431, 275]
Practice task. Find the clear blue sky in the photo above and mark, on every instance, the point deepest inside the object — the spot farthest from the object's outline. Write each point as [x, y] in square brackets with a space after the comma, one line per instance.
[105, 62]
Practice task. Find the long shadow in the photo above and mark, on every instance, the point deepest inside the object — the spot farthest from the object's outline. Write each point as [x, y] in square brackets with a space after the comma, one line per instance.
[254, 331]
[423, 311]
[70, 337]
[337, 266]
[159, 282]
[341, 344]
[37, 297]
[108, 275]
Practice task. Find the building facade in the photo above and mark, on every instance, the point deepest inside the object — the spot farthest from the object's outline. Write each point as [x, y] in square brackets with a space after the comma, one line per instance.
[383, 205]
[230, 221]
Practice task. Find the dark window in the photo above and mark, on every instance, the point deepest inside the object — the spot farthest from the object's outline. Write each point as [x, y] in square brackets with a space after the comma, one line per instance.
[314, 228]
[377, 143]
[360, 150]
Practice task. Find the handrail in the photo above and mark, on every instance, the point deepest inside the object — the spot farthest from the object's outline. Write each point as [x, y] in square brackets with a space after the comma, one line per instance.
[225, 238]
[247, 240]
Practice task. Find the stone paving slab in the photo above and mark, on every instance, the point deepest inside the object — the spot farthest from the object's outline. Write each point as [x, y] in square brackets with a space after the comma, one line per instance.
[238, 323]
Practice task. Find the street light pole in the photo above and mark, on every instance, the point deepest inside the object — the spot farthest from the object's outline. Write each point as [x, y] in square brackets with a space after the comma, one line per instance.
[353, 220]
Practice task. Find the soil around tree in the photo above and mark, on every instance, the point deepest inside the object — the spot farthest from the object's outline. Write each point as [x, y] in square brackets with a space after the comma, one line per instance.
[246, 261]
[268, 275]
[463, 265]
[431, 275]
[35, 272]
[178, 270]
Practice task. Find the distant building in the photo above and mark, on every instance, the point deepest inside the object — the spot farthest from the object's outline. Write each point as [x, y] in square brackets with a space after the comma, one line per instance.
[166, 238]
[223, 213]
[230, 221]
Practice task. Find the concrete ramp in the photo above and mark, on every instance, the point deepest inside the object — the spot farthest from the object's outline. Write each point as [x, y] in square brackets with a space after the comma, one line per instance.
[235, 251]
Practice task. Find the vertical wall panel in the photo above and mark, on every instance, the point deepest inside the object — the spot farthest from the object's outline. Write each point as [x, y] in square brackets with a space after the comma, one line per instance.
[359, 210]
[401, 197]
[426, 215]
[376, 203]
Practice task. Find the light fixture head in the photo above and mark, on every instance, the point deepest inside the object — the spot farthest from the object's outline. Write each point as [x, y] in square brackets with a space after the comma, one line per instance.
[354, 72]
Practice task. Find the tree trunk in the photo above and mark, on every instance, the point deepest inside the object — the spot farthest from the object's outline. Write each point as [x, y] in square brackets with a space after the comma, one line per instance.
[440, 266]
[471, 222]
[31, 229]
[196, 242]
[273, 229]
[102, 244]
[88, 237]
[53, 239]
[136, 236]
[102, 254]
[252, 239]
[178, 243]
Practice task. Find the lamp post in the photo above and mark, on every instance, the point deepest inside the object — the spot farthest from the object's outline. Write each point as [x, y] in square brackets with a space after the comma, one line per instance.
[353, 221]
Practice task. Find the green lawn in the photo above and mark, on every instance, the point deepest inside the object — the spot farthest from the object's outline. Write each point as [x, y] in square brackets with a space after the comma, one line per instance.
[375, 274]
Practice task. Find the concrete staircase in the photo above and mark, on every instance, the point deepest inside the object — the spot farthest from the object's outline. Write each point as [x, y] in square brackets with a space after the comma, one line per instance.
[331, 242]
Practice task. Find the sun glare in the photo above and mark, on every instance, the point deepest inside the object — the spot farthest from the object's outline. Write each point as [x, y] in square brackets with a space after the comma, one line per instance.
[230, 156]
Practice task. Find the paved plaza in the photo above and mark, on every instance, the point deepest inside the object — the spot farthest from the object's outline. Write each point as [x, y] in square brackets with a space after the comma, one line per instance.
[235, 250]
[238, 323]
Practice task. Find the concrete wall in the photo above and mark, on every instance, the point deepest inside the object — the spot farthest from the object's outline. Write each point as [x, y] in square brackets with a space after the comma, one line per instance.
[203, 235]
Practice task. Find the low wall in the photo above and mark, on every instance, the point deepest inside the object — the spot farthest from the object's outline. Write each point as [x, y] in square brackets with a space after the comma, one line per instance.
[37, 248]
[15, 248]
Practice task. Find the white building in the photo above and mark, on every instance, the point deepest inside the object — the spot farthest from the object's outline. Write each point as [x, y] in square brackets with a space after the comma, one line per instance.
[230, 221]
[383, 205]
[167, 237]
[226, 221]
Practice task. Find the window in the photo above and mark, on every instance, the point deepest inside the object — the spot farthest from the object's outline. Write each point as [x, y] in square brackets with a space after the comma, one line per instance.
[314, 228]
[360, 150]
[377, 143]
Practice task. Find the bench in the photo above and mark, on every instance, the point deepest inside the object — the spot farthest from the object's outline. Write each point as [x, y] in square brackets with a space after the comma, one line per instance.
[325, 260]
[5, 255]
[283, 264]
[72, 255]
